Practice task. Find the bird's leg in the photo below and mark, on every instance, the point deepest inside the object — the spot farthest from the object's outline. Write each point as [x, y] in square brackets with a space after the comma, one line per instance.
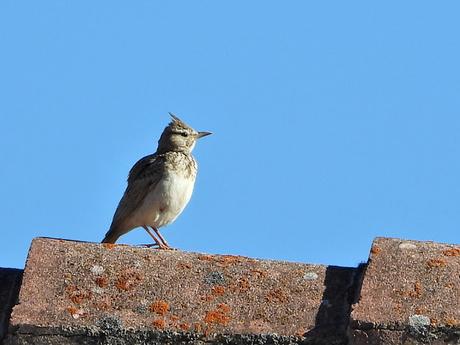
[161, 237]
[157, 242]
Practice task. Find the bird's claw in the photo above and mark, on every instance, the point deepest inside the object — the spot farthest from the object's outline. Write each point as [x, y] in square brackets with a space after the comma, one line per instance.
[157, 246]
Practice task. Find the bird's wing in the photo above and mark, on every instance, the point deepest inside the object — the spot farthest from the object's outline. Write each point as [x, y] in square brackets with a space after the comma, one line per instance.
[143, 177]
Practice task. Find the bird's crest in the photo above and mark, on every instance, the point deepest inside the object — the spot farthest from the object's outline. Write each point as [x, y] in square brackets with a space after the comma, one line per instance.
[176, 122]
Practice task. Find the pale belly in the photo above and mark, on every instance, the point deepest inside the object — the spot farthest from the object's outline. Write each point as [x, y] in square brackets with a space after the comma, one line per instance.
[166, 202]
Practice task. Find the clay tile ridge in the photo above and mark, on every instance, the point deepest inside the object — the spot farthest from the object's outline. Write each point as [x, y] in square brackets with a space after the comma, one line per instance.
[74, 292]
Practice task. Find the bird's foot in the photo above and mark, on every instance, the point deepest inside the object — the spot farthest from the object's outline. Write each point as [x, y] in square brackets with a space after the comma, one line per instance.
[165, 247]
[160, 246]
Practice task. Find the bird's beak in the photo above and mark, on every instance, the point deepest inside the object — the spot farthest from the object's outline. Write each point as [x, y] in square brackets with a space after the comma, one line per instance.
[202, 134]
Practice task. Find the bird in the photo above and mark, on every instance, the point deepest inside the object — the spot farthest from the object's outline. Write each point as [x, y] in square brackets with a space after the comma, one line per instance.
[160, 185]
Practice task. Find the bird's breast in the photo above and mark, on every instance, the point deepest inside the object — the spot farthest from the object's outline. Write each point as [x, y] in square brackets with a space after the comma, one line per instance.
[169, 198]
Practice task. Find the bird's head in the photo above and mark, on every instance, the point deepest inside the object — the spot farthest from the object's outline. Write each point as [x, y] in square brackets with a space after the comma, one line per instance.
[178, 136]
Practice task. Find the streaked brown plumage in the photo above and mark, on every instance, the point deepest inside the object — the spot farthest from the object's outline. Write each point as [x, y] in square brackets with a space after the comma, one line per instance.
[159, 185]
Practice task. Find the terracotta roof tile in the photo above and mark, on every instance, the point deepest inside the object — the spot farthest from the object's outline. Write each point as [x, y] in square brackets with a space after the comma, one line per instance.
[410, 286]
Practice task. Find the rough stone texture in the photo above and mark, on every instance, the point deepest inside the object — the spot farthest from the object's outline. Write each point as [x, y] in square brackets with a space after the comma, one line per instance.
[86, 293]
[10, 281]
[410, 294]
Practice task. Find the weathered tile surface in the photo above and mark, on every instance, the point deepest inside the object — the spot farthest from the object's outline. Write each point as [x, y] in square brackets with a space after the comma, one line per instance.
[87, 286]
[87, 293]
[410, 286]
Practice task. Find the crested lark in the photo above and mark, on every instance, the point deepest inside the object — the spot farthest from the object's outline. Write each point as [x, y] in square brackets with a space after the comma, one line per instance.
[159, 185]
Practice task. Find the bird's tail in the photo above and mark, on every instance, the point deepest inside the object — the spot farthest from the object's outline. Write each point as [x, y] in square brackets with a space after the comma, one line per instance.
[110, 237]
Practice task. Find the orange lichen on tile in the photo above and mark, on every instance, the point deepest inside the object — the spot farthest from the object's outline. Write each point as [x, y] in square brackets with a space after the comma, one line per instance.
[224, 307]
[218, 290]
[173, 320]
[77, 295]
[242, 285]
[159, 307]
[205, 257]
[222, 260]
[184, 265]
[72, 310]
[452, 322]
[375, 249]
[76, 313]
[436, 263]
[276, 295]
[159, 323]
[197, 327]
[128, 280]
[184, 326]
[226, 260]
[415, 292]
[102, 281]
[259, 273]
[451, 252]
[109, 245]
[207, 330]
[218, 316]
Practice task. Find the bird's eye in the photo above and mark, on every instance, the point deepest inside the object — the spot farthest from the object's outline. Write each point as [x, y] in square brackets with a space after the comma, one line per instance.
[184, 134]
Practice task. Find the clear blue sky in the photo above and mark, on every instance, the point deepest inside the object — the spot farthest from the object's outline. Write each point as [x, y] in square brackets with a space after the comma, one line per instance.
[334, 122]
